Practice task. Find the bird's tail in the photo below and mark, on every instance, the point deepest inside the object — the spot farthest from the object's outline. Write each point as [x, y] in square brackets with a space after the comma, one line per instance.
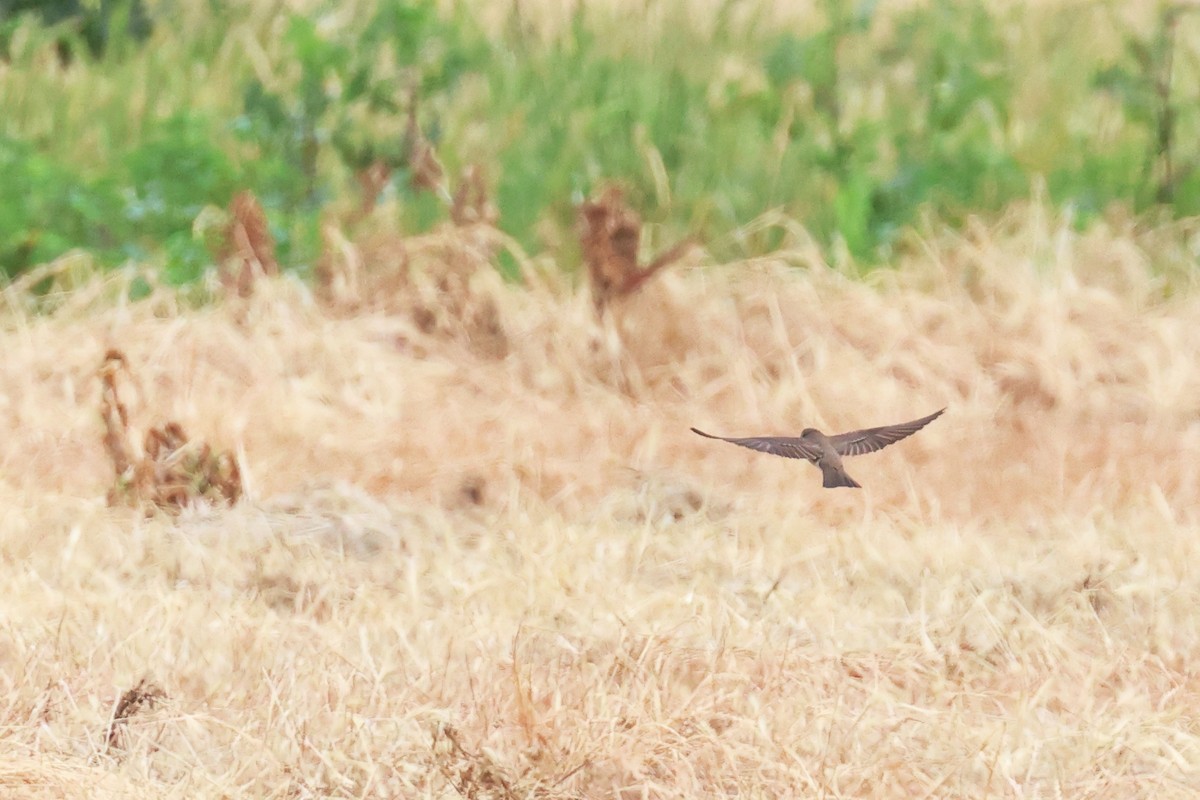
[836, 476]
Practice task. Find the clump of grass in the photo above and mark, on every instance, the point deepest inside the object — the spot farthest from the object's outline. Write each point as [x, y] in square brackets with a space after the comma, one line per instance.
[169, 471]
[442, 285]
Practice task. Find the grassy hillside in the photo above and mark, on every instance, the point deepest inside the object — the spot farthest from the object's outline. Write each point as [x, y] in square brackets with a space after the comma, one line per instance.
[486, 558]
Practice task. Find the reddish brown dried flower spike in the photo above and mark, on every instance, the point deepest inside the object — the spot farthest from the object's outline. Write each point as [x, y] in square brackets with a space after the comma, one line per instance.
[610, 234]
[248, 252]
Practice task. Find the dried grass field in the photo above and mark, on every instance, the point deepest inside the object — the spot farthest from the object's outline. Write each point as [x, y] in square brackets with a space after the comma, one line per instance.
[481, 555]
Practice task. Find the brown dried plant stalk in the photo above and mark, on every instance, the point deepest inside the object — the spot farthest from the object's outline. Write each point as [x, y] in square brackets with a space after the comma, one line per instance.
[169, 471]
[248, 251]
[610, 234]
[473, 775]
[469, 203]
[144, 695]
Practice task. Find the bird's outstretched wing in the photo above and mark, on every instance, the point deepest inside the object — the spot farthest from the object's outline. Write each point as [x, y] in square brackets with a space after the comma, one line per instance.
[868, 440]
[786, 446]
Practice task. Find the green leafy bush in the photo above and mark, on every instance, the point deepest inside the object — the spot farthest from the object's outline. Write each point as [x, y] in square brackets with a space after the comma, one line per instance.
[854, 124]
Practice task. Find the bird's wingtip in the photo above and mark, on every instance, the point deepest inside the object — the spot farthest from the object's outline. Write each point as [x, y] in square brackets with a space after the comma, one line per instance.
[702, 433]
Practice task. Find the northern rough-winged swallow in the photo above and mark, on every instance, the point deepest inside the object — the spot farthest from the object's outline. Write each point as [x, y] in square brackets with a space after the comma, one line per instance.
[827, 451]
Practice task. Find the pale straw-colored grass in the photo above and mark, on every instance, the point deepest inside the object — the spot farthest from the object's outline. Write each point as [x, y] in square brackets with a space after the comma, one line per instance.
[502, 534]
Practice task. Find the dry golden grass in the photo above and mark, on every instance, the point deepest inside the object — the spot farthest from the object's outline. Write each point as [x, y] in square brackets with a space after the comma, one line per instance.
[486, 558]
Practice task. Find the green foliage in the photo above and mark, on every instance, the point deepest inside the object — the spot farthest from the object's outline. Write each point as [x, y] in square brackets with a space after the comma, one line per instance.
[758, 120]
[153, 196]
[101, 26]
[350, 99]
[1146, 81]
[48, 209]
[176, 171]
[852, 124]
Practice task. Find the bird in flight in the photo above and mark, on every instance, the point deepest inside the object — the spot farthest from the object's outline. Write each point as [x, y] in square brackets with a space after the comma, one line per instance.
[827, 451]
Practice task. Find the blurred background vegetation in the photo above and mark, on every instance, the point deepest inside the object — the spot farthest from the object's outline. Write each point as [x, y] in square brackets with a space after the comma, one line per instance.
[122, 121]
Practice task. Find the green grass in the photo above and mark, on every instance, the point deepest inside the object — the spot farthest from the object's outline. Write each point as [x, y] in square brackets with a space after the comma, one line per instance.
[855, 124]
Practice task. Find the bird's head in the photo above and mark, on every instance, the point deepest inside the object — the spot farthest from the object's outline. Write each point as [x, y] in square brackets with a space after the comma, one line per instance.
[809, 433]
